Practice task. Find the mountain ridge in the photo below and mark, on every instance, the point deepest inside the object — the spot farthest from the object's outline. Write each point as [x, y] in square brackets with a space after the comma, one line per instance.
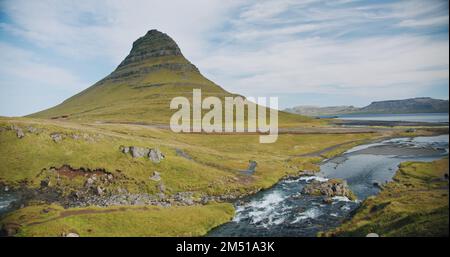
[410, 105]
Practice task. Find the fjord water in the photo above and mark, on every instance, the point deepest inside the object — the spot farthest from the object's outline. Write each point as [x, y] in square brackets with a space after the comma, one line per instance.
[410, 117]
[283, 211]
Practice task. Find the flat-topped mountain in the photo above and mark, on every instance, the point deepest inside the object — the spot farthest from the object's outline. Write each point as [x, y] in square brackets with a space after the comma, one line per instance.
[319, 111]
[141, 87]
[412, 105]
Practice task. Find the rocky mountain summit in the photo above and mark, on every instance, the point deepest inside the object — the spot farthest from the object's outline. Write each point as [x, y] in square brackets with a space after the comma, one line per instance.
[153, 44]
[153, 52]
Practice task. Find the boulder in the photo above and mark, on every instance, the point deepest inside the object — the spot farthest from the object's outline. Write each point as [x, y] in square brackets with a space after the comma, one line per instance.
[306, 173]
[161, 196]
[161, 187]
[205, 199]
[251, 168]
[327, 200]
[72, 235]
[155, 155]
[329, 188]
[377, 184]
[184, 198]
[156, 176]
[138, 152]
[32, 129]
[89, 182]
[56, 137]
[124, 149]
[45, 183]
[18, 130]
[372, 235]
[99, 191]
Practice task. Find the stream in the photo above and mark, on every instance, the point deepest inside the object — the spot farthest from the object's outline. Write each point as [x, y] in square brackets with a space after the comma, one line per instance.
[283, 211]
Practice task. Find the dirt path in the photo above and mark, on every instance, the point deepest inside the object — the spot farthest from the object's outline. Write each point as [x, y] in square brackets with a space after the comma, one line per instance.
[328, 149]
[69, 213]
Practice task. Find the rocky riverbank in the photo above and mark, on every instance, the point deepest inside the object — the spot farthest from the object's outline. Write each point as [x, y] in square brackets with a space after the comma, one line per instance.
[308, 205]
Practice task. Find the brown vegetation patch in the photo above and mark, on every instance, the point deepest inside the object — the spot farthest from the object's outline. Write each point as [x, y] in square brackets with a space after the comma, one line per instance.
[68, 171]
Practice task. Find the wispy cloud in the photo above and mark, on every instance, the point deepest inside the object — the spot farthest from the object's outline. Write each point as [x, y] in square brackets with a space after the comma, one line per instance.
[353, 48]
[28, 83]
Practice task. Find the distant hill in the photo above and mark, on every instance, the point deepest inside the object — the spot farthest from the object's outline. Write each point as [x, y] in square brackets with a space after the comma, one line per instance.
[412, 105]
[322, 111]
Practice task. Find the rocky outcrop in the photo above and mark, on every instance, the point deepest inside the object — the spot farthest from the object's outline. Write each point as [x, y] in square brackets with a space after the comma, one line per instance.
[56, 137]
[251, 167]
[138, 152]
[19, 132]
[156, 176]
[155, 155]
[146, 55]
[33, 130]
[152, 154]
[306, 173]
[71, 235]
[328, 189]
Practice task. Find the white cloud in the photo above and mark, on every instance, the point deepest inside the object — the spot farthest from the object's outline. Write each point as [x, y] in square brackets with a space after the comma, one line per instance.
[30, 84]
[25, 66]
[321, 65]
[94, 29]
[434, 21]
[333, 48]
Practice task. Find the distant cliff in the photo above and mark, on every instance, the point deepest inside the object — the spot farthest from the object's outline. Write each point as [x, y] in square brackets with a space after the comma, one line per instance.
[322, 111]
[413, 105]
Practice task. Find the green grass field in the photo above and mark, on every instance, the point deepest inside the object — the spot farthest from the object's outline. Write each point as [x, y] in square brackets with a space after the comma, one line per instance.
[214, 168]
[414, 204]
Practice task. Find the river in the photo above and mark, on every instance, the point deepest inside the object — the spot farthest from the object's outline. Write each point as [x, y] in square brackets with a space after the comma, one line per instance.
[283, 211]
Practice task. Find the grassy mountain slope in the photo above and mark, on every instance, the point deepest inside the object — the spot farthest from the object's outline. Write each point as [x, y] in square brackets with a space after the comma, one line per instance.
[142, 86]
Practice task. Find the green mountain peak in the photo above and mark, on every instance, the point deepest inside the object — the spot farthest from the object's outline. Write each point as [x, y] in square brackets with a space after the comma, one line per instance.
[141, 87]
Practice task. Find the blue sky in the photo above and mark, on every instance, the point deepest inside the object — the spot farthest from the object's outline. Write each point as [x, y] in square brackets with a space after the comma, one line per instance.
[343, 52]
